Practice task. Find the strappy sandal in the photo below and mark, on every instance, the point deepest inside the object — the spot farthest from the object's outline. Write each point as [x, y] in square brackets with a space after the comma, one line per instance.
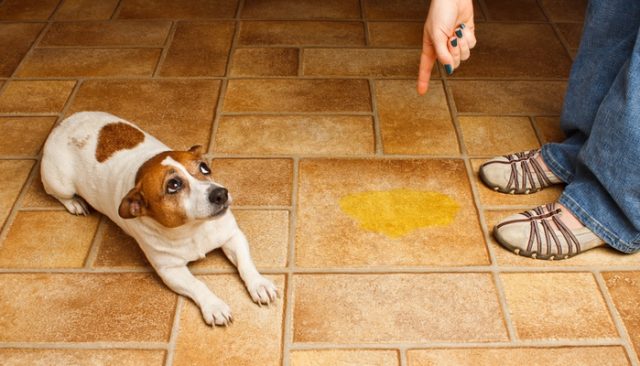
[518, 173]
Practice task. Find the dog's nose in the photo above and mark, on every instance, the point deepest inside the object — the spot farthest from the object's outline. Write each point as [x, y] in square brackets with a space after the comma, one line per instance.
[219, 196]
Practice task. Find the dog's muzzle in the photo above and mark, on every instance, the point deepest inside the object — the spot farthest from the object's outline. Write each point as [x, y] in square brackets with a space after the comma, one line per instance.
[219, 197]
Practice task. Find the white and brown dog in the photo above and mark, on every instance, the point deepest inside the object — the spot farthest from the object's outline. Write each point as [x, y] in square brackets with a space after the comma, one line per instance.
[166, 200]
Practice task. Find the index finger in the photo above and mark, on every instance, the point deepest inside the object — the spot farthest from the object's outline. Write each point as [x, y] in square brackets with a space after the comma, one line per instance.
[427, 60]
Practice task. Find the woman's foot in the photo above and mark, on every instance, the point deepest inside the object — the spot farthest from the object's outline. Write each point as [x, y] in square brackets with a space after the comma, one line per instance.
[520, 173]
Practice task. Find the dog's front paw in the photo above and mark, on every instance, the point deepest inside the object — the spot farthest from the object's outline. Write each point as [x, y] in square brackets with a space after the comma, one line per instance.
[262, 290]
[215, 311]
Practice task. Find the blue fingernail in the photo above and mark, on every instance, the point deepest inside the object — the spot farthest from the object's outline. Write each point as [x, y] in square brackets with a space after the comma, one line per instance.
[459, 33]
[454, 42]
[449, 69]
[462, 26]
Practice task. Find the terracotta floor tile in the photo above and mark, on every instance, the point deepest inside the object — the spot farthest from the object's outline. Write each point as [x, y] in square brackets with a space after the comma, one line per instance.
[27, 9]
[586, 356]
[254, 338]
[396, 34]
[572, 33]
[549, 127]
[177, 112]
[298, 95]
[118, 249]
[199, 49]
[301, 9]
[304, 135]
[344, 357]
[498, 55]
[557, 306]
[299, 33]
[58, 62]
[15, 356]
[171, 9]
[86, 10]
[518, 10]
[624, 288]
[492, 136]
[397, 9]
[15, 173]
[61, 241]
[327, 236]
[265, 62]
[394, 308]
[241, 177]
[24, 135]
[360, 62]
[85, 307]
[119, 33]
[35, 96]
[15, 41]
[413, 124]
[506, 97]
[36, 197]
[565, 10]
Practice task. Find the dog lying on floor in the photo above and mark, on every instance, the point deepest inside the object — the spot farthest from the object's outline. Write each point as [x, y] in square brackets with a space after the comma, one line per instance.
[166, 200]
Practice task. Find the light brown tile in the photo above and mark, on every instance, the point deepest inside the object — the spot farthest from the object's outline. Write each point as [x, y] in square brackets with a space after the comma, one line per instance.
[265, 62]
[27, 9]
[344, 357]
[301, 9]
[395, 308]
[299, 33]
[15, 173]
[254, 338]
[497, 135]
[85, 307]
[549, 128]
[177, 112]
[76, 357]
[396, 34]
[35, 96]
[86, 10]
[586, 356]
[557, 306]
[15, 41]
[328, 236]
[68, 62]
[413, 124]
[199, 49]
[624, 288]
[572, 33]
[171, 9]
[107, 33]
[565, 10]
[297, 95]
[398, 9]
[117, 249]
[255, 182]
[304, 135]
[368, 62]
[518, 10]
[36, 197]
[24, 135]
[61, 240]
[507, 97]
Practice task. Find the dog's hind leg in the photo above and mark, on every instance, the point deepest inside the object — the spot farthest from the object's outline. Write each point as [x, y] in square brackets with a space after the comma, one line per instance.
[56, 182]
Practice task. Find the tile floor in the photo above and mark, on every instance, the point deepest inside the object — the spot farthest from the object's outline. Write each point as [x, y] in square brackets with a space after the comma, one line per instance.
[301, 104]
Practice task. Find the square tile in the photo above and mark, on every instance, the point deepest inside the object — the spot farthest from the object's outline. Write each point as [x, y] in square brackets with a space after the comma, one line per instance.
[85, 307]
[414, 124]
[22, 96]
[492, 136]
[15, 173]
[297, 95]
[565, 10]
[27, 9]
[107, 33]
[299, 33]
[396, 34]
[86, 10]
[254, 338]
[24, 135]
[171, 9]
[199, 49]
[514, 10]
[15, 41]
[572, 33]
[297, 135]
[265, 62]
[178, 112]
[397, 9]
[301, 9]
[549, 128]
[36, 197]
[557, 306]
[344, 357]
[367, 62]
[117, 249]
[422, 214]
[394, 308]
[17, 356]
[624, 288]
[61, 241]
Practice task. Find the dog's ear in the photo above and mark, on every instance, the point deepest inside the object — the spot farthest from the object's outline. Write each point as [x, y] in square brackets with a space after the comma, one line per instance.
[133, 204]
[197, 150]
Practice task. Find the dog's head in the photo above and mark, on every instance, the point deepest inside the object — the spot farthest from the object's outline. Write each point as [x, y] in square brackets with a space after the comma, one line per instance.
[175, 187]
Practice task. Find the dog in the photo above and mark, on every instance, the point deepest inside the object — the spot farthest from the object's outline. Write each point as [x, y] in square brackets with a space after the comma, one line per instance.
[166, 200]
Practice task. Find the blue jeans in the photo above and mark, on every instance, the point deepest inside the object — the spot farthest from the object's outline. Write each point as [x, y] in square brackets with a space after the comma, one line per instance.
[600, 159]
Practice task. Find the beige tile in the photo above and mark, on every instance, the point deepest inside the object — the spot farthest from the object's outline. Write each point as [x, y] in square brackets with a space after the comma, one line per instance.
[301, 9]
[85, 307]
[199, 49]
[265, 62]
[76, 357]
[15, 41]
[507, 97]
[586, 356]
[61, 241]
[565, 10]
[107, 33]
[255, 182]
[549, 128]
[369, 62]
[413, 124]
[117, 249]
[395, 308]
[24, 135]
[171, 9]
[36, 197]
[427, 219]
[520, 10]
[297, 95]
[299, 33]
[27, 9]
[35, 96]
[69, 62]
[344, 357]
[397, 9]
[497, 135]
[572, 33]
[86, 10]
[15, 173]
[557, 306]
[304, 135]
[177, 112]
[396, 34]
[624, 288]
[254, 338]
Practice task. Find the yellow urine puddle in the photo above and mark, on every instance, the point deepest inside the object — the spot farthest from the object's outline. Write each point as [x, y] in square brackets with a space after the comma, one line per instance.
[397, 212]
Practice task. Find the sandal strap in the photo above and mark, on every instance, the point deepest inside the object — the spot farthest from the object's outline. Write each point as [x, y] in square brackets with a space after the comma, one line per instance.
[525, 168]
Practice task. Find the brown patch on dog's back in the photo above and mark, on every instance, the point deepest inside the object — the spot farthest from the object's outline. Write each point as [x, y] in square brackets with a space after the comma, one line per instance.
[115, 137]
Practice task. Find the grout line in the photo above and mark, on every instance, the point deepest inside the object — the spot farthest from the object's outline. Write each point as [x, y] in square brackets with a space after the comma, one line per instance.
[95, 243]
[556, 30]
[116, 11]
[485, 11]
[536, 130]
[4, 229]
[165, 49]
[378, 147]
[402, 356]
[541, 343]
[173, 338]
[287, 324]
[86, 345]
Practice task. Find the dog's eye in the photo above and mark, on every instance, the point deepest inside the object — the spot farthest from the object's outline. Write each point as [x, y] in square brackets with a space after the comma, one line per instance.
[204, 169]
[174, 185]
